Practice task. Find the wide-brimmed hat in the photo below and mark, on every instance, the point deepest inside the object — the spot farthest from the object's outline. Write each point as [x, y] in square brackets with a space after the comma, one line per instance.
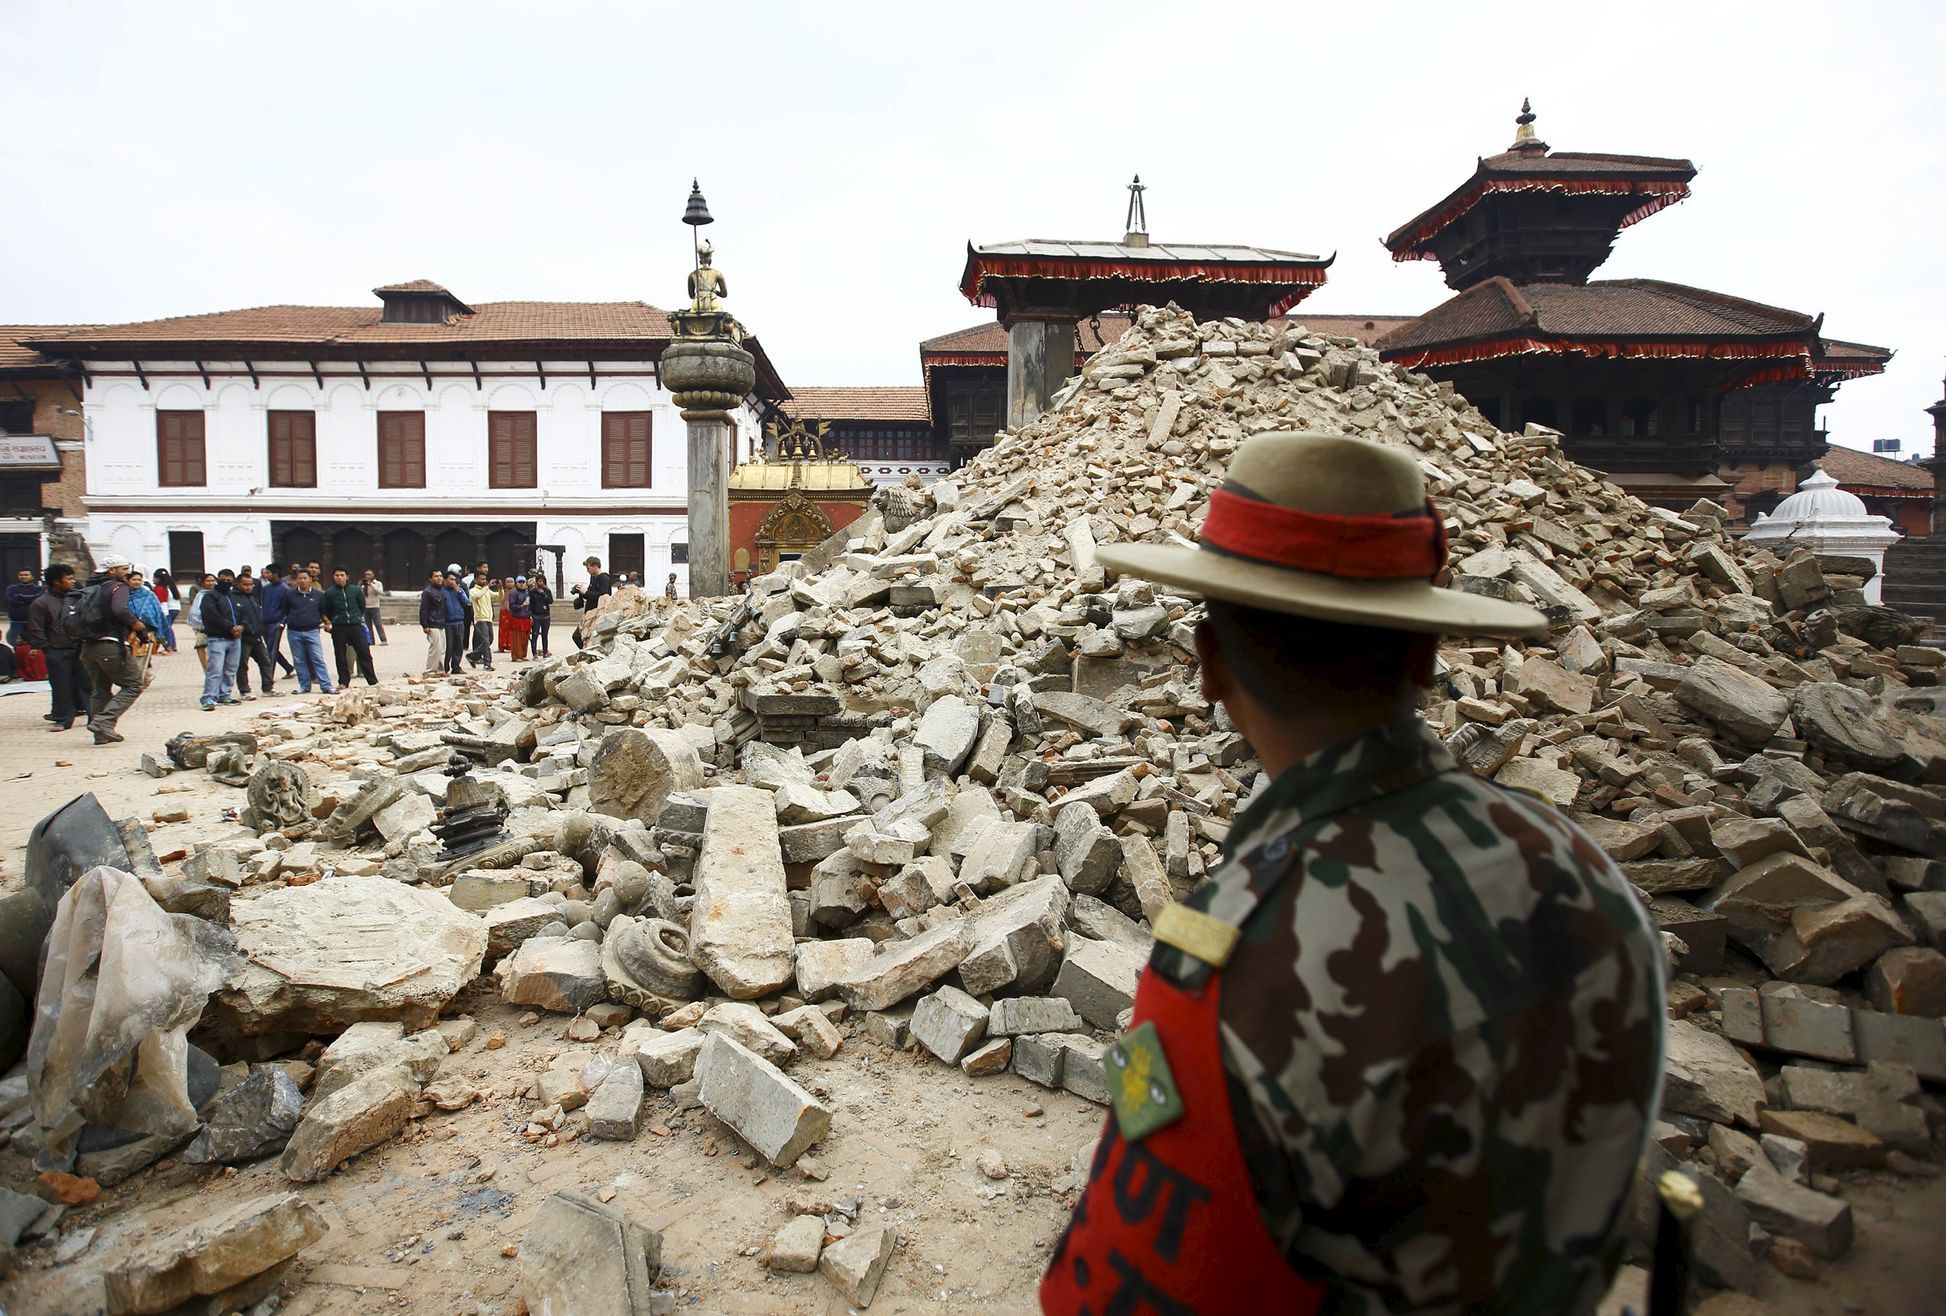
[1330, 527]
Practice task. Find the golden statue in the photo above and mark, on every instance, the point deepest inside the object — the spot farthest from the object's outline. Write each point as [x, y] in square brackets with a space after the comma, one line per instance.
[707, 286]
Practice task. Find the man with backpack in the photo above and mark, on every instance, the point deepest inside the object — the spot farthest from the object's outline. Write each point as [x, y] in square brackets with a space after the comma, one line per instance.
[101, 620]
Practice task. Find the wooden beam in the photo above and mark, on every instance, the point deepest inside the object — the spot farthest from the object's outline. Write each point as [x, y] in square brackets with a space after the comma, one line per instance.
[591, 372]
[474, 361]
[139, 375]
[364, 376]
[317, 374]
[203, 372]
[541, 367]
[254, 381]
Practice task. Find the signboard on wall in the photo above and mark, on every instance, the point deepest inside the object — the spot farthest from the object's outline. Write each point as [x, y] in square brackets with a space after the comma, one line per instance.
[28, 452]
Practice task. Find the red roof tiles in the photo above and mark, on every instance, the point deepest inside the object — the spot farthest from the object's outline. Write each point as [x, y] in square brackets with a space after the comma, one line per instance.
[892, 402]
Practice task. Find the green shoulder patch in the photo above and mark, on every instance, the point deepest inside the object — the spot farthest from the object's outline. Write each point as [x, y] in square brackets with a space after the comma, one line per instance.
[1140, 1085]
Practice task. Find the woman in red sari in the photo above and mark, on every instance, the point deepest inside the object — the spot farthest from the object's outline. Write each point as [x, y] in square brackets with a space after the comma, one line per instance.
[502, 640]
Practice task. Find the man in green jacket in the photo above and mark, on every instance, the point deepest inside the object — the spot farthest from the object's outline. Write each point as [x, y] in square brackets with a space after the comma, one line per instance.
[344, 617]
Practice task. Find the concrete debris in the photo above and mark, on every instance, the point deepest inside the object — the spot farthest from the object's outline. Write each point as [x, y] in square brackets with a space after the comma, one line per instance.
[765, 1108]
[856, 1265]
[219, 1254]
[582, 1258]
[935, 781]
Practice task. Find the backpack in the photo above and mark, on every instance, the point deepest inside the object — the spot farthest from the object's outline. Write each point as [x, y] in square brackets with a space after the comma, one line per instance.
[91, 614]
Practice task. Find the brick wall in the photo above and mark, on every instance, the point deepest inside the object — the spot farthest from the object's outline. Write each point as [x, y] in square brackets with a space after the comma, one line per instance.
[58, 415]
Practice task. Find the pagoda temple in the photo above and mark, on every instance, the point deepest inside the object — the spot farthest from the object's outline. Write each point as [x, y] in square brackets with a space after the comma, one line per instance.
[1042, 288]
[1676, 392]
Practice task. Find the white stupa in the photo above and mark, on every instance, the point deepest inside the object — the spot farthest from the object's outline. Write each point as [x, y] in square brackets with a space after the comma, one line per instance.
[1825, 519]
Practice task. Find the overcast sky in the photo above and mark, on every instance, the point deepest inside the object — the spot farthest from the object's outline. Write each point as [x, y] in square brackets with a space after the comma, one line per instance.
[171, 158]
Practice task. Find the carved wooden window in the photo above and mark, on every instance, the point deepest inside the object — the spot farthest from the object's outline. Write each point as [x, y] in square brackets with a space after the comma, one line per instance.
[401, 449]
[179, 450]
[293, 449]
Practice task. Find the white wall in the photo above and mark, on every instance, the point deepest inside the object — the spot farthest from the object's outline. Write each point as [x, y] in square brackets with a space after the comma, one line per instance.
[130, 514]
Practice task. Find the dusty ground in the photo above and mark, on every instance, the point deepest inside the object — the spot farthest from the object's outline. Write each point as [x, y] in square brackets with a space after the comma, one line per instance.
[422, 1224]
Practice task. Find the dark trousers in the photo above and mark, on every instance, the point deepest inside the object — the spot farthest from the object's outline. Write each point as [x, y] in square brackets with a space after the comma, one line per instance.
[273, 641]
[349, 640]
[69, 684]
[482, 654]
[455, 645]
[116, 678]
[255, 651]
[375, 626]
[541, 623]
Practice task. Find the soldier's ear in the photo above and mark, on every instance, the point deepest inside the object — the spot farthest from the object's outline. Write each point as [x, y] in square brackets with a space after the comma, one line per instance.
[1214, 670]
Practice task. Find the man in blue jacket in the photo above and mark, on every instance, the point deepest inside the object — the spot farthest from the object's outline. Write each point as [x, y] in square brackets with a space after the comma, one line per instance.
[275, 601]
[432, 620]
[20, 598]
[458, 611]
[303, 616]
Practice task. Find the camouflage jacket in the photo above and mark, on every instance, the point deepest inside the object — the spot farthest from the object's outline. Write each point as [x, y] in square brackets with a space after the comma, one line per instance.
[1442, 1029]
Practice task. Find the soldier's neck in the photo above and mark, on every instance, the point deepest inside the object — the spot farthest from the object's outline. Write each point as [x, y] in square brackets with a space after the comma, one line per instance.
[1281, 742]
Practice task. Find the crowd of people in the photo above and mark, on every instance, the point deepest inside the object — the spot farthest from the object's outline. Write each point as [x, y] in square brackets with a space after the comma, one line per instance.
[94, 640]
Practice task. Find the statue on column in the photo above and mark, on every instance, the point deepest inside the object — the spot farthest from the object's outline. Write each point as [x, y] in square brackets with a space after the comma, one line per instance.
[707, 286]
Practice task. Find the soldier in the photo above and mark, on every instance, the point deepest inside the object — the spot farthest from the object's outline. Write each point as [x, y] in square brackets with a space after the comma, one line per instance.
[1402, 1051]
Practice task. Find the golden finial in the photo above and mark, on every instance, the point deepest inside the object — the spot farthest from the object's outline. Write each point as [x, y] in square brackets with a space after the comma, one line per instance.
[1525, 140]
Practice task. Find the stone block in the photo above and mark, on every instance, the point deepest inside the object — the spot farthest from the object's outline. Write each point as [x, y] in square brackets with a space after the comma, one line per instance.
[890, 1028]
[251, 1120]
[1832, 1143]
[216, 1254]
[1039, 1059]
[794, 1249]
[1086, 854]
[1012, 1015]
[665, 1058]
[1902, 1039]
[615, 1106]
[898, 969]
[758, 1101]
[1098, 979]
[1705, 1077]
[581, 1258]
[740, 924]
[1083, 1071]
[822, 965]
[809, 842]
[1144, 871]
[1743, 840]
[949, 1023]
[1909, 980]
[1744, 707]
[514, 921]
[946, 734]
[1017, 938]
[1803, 1025]
[365, 1112]
[1551, 686]
[991, 1057]
[480, 891]
[856, 1265]
[561, 974]
[811, 1028]
[751, 1028]
[1823, 1224]
[636, 770]
[1001, 855]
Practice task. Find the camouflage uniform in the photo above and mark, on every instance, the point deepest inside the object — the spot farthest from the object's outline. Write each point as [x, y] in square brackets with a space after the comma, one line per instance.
[1444, 1021]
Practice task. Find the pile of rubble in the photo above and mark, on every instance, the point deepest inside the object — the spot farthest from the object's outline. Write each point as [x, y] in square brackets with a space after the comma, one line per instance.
[930, 786]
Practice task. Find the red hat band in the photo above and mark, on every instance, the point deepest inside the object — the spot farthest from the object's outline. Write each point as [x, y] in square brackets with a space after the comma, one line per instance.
[1409, 546]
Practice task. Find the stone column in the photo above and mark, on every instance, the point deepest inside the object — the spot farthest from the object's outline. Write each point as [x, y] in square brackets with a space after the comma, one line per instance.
[1937, 465]
[709, 377]
[1040, 357]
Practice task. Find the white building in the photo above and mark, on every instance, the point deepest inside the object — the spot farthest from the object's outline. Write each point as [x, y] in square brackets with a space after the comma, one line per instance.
[399, 436]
